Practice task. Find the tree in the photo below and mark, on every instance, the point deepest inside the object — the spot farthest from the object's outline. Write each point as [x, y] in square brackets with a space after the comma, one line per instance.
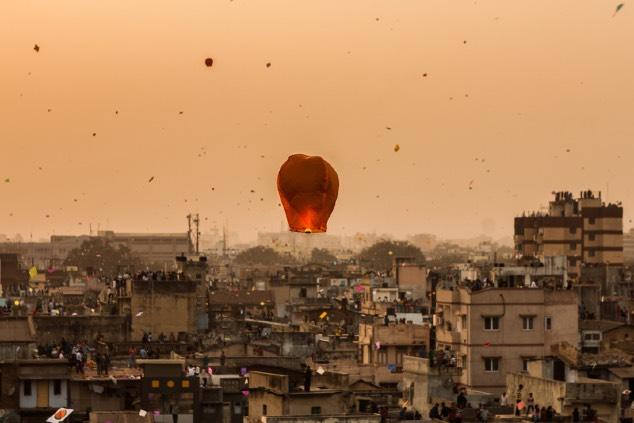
[262, 255]
[381, 255]
[98, 256]
[322, 256]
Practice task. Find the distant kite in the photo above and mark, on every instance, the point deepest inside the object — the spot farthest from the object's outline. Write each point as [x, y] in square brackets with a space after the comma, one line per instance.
[209, 62]
[618, 7]
[151, 179]
[308, 188]
[396, 148]
[37, 48]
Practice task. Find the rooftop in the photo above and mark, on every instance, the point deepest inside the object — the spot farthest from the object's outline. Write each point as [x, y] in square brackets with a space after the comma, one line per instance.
[240, 297]
[115, 374]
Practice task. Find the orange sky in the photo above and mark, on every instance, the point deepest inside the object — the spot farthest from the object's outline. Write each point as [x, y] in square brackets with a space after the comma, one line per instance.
[532, 80]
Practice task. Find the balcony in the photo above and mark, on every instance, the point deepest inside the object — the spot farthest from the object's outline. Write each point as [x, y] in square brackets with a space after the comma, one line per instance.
[420, 366]
[448, 336]
[447, 296]
[401, 334]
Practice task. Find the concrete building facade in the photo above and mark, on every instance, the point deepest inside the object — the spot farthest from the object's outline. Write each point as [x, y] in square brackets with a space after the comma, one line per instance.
[495, 331]
[167, 306]
[585, 230]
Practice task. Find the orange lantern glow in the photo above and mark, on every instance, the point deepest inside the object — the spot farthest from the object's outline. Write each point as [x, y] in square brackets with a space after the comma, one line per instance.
[308, 187]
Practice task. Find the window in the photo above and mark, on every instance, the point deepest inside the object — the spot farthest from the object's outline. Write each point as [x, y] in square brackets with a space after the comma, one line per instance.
[573, 230]
[573, 245]
[27, 388]
[491, 364]
[57, 387]
[492, 323]
[591, 253]
[237, 408]
[399, 358]
[264, 409]
[382, 356]
[463, 322]
[572, 262]
[591, 237]
[524, 364]
[302, 293]
[548, 323]
[591, 220]
[527, 322]
[315, 410]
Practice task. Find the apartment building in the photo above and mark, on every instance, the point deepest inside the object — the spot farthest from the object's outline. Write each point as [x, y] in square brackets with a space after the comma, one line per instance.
[494, 331]
[585, 229]
[384, 346]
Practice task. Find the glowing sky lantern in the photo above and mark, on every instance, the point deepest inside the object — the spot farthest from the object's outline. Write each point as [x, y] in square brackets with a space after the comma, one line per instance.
[308, 187]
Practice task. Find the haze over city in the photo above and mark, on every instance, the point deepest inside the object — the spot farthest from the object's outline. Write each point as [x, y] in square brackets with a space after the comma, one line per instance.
[350, 211]
[493, 104]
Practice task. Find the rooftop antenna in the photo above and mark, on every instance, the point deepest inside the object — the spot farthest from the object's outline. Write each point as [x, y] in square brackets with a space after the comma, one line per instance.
[197, 223]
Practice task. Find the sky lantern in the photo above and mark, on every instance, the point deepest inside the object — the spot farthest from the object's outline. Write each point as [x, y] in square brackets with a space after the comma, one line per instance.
[308, 187]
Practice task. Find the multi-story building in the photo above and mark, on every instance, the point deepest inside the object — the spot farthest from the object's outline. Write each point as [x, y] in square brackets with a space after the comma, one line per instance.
[495, 331]
[158, 249]
[411, 277]
[152, 248]
[12, 277]
[152, 300]
[272, 394]
[585, 230]
[44, 254]
[383, 347]
[628, 246]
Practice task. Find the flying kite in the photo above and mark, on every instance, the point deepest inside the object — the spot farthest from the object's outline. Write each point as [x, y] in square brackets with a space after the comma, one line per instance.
[209, 62]
[618, 7]
[308, 188]
[60, 415]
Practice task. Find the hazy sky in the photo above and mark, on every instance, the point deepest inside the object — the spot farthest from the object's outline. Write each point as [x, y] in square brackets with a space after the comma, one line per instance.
[532, 80]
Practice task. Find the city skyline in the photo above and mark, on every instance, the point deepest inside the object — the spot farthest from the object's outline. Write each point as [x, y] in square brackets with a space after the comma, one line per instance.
[492, 106]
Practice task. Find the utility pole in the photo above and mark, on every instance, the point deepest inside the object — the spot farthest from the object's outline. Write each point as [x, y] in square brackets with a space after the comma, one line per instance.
[189, 231]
